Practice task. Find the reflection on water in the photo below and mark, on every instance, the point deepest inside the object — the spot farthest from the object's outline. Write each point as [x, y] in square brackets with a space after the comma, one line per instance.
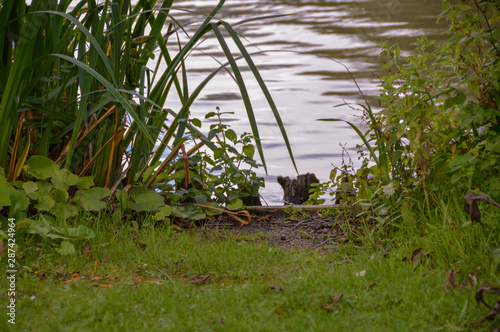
[304, 82]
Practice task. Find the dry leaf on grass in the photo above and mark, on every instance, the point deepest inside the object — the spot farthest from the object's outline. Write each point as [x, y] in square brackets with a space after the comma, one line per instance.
[496, 308]
[201, 279]
[416, 254]
[329, 307]
[276, 288]
[470, 204]
[474, 281]
[493, 313]
[87, 250]
[451, 283]
[337, 299]
[488, 290]
[450, 280]
[140, 244]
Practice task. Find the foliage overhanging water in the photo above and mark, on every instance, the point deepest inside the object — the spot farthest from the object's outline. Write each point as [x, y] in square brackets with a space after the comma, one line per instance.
[304, 82]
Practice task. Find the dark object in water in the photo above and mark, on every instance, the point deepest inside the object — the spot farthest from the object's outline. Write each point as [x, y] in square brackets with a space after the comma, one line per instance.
[296, 191]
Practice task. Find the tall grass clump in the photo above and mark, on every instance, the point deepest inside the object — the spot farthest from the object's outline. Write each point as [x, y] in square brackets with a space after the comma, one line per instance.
[77, 86]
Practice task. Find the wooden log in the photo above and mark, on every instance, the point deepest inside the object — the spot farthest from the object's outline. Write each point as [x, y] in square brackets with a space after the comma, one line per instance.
[296, 191]
[282, 208]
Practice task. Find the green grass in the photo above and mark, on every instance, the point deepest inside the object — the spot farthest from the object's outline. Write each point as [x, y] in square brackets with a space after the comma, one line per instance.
[152, 288]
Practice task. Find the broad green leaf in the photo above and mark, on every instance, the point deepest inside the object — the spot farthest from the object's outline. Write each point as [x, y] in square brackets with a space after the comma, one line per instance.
[333, 175]
[19, 201]
[249, 150]
[461, 160]
[41, 168]
[179, 212]
[30, 187]
[55, 236]
[5, 190]
[43, 190]
[196, 122]
[235, 205]
[231, 135]
[218, 153]
[63, 179]
[117, 215]
[37, 228]
[80, 233]
[61, 195]
[91, 199]
[200, 215]
[214, 212]
[201, 199]
[44, 187]
[46, 219]
[123, 198]
[455, 177]
[389, 189]
[180, 174]
[191, 212]
[163, 212]
[85, 182]
[66, 248]
[64, 210]
[45, 203]
[145, 199]
[456, 100]
[23, 224]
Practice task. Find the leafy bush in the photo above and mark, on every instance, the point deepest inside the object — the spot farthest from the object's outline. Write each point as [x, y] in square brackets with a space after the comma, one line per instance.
[440, 113]
[439, 123]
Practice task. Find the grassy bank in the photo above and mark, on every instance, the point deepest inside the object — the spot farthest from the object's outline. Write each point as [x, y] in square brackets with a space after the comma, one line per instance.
[161, 279]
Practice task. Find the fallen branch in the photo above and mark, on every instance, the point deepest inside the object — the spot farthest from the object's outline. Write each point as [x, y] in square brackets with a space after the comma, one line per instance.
[282, 208]
[470, 204]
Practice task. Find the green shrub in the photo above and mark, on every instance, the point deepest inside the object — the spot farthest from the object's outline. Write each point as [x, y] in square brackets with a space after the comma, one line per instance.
[440, 107]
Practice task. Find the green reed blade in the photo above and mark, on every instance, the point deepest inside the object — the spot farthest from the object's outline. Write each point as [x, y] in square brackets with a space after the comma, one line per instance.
[243, 91]
[17, 76]
[92, 40]
[264, 89]
[114, 91]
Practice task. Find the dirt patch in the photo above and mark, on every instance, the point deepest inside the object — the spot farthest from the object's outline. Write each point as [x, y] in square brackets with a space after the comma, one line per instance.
[304, 232]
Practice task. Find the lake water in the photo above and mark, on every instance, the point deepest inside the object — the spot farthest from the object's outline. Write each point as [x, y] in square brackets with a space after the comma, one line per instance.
[304, 82]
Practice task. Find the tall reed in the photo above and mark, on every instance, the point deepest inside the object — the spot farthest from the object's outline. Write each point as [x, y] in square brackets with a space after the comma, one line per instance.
[70, 78]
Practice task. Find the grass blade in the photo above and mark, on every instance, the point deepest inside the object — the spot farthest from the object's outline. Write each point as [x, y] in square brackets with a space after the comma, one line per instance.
[114, 91]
